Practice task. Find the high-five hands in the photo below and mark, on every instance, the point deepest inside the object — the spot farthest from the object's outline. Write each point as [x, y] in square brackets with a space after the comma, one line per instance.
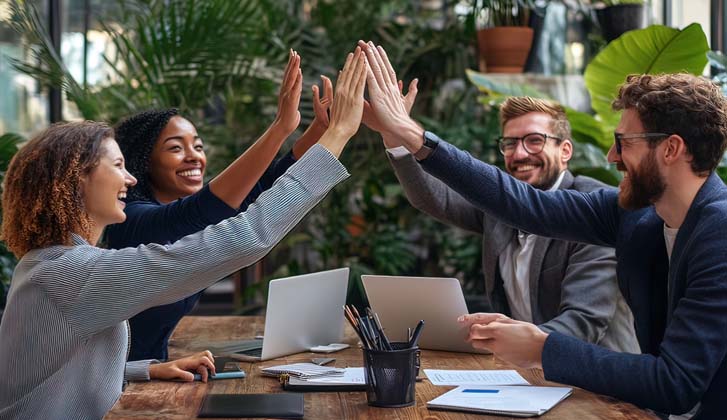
[321, 105]
[389, 107]
[520, 343]
[288, 116]
[347, 108]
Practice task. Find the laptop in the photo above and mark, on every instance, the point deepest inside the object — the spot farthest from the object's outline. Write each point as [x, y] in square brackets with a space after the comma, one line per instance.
[302, 312]
[402, 301]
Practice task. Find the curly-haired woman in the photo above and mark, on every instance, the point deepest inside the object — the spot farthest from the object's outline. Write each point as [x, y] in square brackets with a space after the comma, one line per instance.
[63, 336]
[170, 200]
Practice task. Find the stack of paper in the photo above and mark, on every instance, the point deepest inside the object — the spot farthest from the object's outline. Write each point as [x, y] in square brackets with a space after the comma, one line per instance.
[517, 401]
[351, 376]
[301, 370]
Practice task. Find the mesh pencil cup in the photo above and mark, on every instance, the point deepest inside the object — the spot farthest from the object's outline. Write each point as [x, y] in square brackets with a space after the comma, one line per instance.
[391, 375]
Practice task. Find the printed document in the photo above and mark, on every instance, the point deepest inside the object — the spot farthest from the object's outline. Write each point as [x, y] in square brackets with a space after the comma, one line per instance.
[474, 377]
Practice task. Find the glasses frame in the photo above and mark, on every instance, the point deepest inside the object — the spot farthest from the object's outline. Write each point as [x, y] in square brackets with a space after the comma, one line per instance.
[522, 141]
[619, 137]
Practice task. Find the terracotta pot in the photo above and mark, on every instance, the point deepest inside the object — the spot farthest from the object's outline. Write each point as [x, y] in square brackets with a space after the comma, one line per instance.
[505, 48]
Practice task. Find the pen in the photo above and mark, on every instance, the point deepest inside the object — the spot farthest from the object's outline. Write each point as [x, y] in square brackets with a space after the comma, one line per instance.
[481, 391]
[384, 338]
[417, 333]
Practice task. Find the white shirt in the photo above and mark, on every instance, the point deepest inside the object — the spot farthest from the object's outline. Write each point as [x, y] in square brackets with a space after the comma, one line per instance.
[514, 265]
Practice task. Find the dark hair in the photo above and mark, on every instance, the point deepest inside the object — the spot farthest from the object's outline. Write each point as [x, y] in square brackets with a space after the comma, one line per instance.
[136, 136]
[42, 196]
[517, 106]
[690, 106]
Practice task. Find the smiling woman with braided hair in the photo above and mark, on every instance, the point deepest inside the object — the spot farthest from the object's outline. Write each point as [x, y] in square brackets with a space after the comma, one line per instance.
[170, 200]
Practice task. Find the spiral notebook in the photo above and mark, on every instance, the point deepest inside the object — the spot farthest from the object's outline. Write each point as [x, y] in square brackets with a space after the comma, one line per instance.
[302, 370]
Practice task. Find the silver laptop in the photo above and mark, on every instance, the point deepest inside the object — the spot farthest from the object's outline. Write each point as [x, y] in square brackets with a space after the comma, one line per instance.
[401, 302]
[302, 312]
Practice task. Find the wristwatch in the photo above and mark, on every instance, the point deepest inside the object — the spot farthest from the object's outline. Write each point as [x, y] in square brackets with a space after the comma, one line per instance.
[431, 141]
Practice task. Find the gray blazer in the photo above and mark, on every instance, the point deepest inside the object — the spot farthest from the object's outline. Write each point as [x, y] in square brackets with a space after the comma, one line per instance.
[573, 288]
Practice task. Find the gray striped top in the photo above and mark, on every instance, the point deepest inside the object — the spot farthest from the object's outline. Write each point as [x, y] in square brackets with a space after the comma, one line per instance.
[63, 338]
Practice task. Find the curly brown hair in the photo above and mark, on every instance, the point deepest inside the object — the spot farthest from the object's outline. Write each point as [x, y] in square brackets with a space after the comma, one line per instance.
[517, 106]
[42, 199]
[690, 106]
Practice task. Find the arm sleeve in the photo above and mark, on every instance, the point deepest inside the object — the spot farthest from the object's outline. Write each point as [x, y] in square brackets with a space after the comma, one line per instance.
[98, 288]
[692, 351]
[563, 214]
[153, 223]
[430, 195]
[588, 293]
[138, 370]
[276, 169]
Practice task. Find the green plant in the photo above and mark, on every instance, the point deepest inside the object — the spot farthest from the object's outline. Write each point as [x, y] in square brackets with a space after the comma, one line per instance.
[8, 146]
[502, 12]
[656, 49]
[718, 61]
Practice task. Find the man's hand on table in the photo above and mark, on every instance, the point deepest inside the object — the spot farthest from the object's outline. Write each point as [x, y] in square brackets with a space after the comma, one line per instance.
[517, 342]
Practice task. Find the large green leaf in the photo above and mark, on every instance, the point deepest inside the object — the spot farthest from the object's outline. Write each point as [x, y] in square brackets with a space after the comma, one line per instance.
[656, 49]
[490, 87]
[8, 146]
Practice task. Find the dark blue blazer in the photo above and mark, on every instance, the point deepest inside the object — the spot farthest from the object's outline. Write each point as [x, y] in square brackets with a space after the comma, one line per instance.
[151, 222]
[680, 309]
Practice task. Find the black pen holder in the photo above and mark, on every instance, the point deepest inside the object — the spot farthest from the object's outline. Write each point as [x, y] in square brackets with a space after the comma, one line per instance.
[391, 375]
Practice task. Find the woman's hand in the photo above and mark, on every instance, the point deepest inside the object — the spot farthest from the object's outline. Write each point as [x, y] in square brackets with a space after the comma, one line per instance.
[348, 102]
[184, 369]
[321, 105]
[288, 116]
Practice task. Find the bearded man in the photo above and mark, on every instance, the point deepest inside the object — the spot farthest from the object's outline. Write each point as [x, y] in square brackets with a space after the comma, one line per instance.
[668, 224]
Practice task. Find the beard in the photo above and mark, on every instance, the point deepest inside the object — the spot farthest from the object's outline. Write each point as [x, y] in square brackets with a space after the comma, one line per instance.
[643, 186]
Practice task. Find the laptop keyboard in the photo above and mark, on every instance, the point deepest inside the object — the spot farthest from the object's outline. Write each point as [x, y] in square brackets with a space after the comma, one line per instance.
[258, 352]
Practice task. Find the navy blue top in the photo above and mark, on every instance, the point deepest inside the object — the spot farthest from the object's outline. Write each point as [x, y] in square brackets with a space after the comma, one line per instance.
[153, 222]
[680, 308]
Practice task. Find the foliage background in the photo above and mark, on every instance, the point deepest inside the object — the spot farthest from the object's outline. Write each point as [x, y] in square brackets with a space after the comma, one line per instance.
[220, 62]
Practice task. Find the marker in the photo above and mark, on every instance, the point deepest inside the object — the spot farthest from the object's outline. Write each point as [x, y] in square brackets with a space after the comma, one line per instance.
[481, 391]
[222, 375]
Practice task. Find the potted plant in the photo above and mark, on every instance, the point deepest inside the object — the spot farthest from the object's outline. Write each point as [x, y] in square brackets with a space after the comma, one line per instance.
[504, 39]
[619, 16]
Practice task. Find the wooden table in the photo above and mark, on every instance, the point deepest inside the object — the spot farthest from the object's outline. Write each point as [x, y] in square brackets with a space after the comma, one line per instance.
[176, 400]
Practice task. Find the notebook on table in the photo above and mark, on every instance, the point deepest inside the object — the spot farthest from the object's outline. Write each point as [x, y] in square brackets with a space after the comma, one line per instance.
[283, 406]
[302, 312]
[514, 401]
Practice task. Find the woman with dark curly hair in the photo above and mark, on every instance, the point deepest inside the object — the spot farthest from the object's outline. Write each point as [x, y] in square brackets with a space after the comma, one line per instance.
[63, 337]
[170, 200]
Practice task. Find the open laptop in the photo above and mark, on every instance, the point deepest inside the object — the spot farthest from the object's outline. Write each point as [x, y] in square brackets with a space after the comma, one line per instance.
[402, 301]
[302, 312]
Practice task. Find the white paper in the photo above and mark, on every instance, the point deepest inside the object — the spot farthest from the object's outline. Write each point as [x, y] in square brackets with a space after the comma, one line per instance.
[474, 377]
[502, 399]
[350, 376]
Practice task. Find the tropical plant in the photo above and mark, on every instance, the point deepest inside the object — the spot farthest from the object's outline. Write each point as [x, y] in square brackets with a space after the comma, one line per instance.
[718, 61]
[609, 3]
[653, 50]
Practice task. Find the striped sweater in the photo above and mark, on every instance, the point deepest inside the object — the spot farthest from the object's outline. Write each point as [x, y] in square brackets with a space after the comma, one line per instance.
[63, 339]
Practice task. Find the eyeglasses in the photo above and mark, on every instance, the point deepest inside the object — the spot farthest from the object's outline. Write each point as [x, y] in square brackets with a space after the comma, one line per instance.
[533, 143]
[619, 137]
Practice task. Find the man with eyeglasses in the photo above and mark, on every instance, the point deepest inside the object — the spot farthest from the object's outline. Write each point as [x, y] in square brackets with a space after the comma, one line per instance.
[562, 286]
[671, 253]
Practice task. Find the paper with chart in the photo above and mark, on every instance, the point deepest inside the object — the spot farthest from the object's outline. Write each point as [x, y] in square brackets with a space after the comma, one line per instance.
[474, 377]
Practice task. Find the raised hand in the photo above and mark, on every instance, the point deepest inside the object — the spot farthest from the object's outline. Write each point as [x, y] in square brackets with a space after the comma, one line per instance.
[321, 105]
[184, 369]
[288, 116]
[369, 117]
[347, 108]
[387, 103]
